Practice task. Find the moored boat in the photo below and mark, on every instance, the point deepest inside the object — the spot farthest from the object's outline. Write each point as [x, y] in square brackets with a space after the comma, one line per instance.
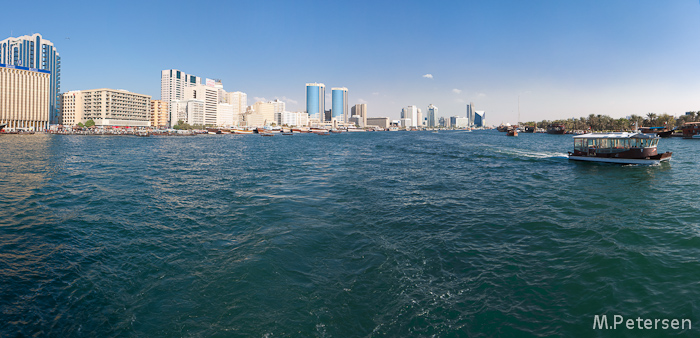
[691, 130]
[512, 132]
[622, 148]
[241, 131]
[530, 129]
[660, 131]
[556, 129]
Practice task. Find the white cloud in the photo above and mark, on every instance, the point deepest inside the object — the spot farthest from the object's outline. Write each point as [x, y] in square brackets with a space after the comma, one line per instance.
[456, 91]
[256, 99]
[362, 100]
[287, 100]
[375, 93]
[428, 76]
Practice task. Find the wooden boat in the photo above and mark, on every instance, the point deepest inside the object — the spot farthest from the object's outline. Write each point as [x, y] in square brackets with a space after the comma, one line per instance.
[512, 132]
[660, 131]
[622, 148]
[242, 132]
[556, 129]
[691, 130]
[530, 129]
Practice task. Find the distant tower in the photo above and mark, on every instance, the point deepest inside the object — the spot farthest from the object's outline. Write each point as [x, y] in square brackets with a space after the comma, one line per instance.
[33, 51]
[339, 108]
[470, 113]
[410, 113]
[432, 116]
[173, 83]
[315, 100]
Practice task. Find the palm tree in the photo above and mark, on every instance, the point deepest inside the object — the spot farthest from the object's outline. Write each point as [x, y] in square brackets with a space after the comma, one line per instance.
[652, 119]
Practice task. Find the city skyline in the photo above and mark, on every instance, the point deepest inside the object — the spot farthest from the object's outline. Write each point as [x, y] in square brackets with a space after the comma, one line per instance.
[564, 60]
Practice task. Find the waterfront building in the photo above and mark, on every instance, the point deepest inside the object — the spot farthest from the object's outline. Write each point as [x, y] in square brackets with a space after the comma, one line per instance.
[315, 100]
[381, 122]
[210, 96]
[294, 119]
[267, 110]
[108, 107]
[419, 118]
[361, 110]
[432, 116]
[195, 112]
[36, 53]
[410, 114]
[339, 105]
[253, 119]
[480, 118]
[356, 120]
[160, 113]
[224, 115]
[461, 122]
[405, 123]
[25, 97]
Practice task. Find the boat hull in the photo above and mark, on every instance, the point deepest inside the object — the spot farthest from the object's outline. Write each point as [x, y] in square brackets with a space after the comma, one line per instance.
[647, 161]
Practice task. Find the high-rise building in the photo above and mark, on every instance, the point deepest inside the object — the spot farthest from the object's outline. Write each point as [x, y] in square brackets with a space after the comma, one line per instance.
[361, 110]
[36, 53]
[419, 118]
[173, 83]
[410, 113]
[339, 106]
[480, 118]
[210, 96]
[108, 107]
[432, 116]
[24, 97]
[315, 100]
[470, 113]
[239, 101]
[160, 113]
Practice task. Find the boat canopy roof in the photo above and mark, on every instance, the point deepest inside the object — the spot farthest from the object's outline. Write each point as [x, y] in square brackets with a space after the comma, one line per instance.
[616, 136]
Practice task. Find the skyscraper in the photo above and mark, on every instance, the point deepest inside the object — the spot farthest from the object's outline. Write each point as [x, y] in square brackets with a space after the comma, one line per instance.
[432, 116]
[480, 118]
[34, 52]
[339, 108]
[470, 113]
[315, 100]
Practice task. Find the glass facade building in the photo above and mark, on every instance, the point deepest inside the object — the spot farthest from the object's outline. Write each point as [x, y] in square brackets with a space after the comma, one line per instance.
[315, 100]
[36, 53]
[339, 109]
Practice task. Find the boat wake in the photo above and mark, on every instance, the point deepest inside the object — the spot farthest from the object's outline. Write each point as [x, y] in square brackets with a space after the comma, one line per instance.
[530, 154]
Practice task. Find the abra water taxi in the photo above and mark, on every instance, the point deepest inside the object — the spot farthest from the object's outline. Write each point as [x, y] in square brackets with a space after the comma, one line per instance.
[623, 148]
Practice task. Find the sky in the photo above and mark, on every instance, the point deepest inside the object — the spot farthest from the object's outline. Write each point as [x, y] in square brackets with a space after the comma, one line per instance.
[540, 59]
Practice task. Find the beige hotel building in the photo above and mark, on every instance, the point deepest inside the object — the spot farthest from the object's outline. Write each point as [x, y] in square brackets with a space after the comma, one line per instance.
[24, 97]
[107, 107]
[160, 114]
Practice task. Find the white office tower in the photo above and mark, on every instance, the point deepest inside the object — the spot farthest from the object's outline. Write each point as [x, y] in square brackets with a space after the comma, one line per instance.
[419, 118]
[432, 116]
[210, 96]
[173, 83]
[195, 112]
[409, 113]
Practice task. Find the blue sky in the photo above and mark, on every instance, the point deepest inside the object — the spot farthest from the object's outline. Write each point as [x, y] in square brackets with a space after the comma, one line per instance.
[563, 58]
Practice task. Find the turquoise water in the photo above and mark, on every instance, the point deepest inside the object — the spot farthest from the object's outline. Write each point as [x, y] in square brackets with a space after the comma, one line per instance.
[397, 234]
